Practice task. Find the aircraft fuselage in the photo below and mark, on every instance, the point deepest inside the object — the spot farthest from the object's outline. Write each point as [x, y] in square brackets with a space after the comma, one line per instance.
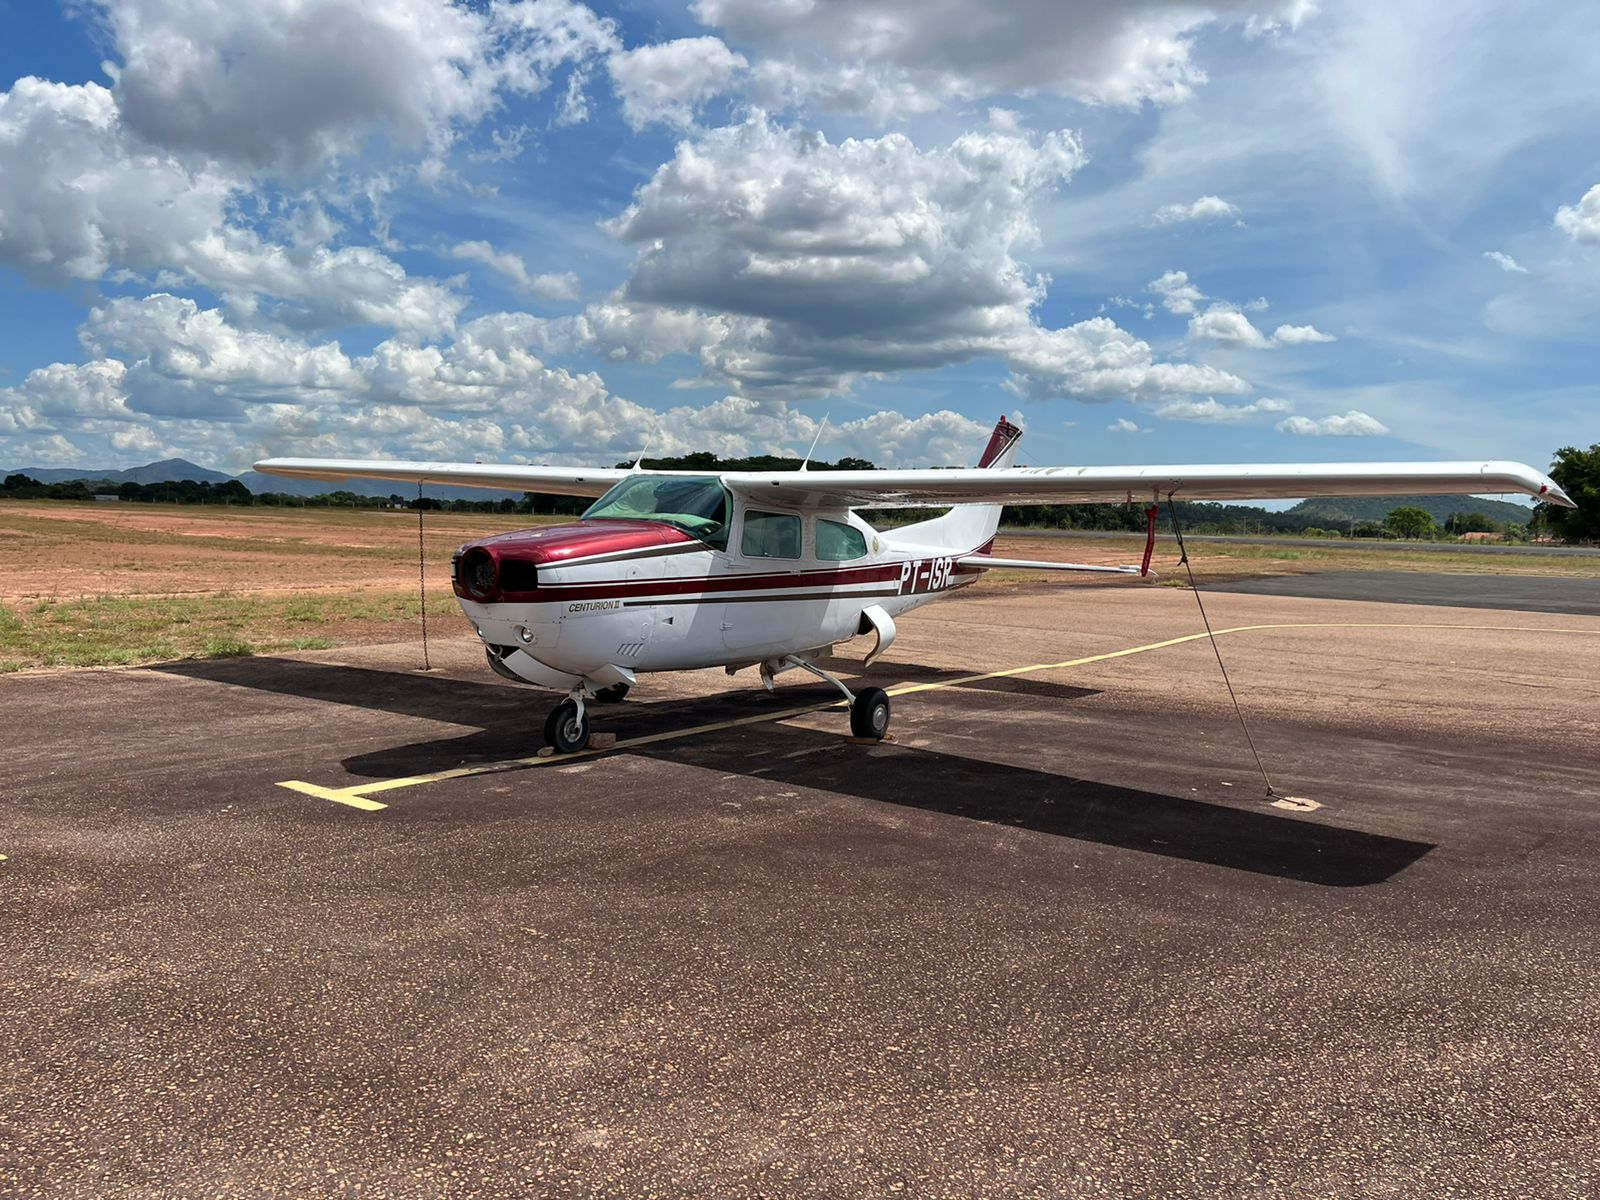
[601, 599]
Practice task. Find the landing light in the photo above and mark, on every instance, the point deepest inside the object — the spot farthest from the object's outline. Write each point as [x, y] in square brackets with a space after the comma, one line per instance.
[526, 636]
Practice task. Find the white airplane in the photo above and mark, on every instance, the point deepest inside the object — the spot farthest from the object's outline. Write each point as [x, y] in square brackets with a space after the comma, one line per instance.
[677, 571]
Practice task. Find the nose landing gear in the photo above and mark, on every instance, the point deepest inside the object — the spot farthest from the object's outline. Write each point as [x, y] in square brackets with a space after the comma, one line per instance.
[566, 729]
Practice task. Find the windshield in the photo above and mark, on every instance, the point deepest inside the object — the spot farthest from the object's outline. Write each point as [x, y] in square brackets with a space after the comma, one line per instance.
[696, 504]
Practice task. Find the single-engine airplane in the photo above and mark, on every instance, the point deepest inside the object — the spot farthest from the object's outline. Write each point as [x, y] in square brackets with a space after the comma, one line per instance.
[676, 571]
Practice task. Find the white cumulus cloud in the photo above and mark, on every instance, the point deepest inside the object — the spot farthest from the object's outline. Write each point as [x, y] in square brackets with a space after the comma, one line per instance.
[878, 91]
[1122, 54]
[666, 83]
[1177, 294]
[80, 198]
[1226, 324]
[803, 265]
[1300, 335]
[1206, 208]
[291, 84]
[1351, 424]
[546, 286]
[1209, 411]
[1581, 221]
[165, 376]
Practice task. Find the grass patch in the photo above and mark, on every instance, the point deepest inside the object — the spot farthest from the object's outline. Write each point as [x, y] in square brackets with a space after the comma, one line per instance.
[225, 647]
[124, 630]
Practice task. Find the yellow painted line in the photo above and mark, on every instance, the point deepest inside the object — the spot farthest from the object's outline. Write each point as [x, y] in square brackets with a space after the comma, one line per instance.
[339, 795]
[356, 795]
[1200, 637]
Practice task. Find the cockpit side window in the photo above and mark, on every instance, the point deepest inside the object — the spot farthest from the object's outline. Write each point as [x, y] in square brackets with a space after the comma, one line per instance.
[770, 535]
[838, 542]
[696, 504]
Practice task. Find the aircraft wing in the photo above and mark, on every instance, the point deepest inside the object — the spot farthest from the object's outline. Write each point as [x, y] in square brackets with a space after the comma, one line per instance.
[559, 481]
[1011, 485]
[1113, 485]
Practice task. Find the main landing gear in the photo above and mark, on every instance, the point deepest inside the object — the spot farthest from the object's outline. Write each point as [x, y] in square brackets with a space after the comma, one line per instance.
[869, 714]
[869, 708]
[566, 729]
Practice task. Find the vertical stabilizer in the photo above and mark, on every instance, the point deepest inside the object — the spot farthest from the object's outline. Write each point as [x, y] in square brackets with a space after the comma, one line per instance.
[970, 527]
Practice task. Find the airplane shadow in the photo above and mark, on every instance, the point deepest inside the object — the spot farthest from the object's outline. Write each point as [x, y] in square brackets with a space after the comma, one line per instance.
[1040, 689]
[508, 727]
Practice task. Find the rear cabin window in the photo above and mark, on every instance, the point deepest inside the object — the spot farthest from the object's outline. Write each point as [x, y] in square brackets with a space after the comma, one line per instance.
[839, 543]
[770, 535]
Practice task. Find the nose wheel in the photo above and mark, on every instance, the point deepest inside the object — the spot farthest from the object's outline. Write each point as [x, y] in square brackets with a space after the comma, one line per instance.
[566, 729]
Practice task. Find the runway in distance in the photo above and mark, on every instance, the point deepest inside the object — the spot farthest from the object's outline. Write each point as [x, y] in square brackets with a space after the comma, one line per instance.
[677, 571]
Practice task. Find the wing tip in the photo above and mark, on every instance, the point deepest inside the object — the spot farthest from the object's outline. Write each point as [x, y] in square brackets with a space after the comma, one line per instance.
[1551, 493]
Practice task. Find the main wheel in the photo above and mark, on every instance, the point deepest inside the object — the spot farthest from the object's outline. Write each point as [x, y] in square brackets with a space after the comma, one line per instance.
[566, 729]
[612, 694]
[869, 715]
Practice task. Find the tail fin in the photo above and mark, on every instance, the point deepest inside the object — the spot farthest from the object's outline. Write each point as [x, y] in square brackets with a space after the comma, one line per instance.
[970, 527]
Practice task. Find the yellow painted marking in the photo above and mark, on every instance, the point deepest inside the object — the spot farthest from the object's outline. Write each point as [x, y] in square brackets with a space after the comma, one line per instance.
[356, 795]
[339, 795]
[1200, 637]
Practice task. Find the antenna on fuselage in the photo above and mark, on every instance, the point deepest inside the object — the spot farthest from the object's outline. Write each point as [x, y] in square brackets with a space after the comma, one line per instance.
[806, 461]
[638, 462]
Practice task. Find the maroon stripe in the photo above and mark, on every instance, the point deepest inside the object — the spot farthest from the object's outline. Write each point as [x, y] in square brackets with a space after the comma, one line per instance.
[650, 601]
[606, 590]
[719, 586]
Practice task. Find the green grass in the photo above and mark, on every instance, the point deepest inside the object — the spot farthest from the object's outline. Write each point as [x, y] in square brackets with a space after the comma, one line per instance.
[123, 630]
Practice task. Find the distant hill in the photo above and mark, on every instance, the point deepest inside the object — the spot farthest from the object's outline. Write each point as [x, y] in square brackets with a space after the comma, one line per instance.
[168, 470]
[1341, 511]
[171, 470]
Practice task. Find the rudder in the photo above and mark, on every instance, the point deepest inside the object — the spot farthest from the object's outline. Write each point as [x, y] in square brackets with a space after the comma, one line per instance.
[969, 527]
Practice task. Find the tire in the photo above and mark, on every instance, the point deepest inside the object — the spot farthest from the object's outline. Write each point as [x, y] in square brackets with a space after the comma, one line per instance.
[869, 715]
[565, 730]
[612, 694]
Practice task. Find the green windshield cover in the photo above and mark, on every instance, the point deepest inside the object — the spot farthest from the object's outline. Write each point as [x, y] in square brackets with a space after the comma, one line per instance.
[696, 504]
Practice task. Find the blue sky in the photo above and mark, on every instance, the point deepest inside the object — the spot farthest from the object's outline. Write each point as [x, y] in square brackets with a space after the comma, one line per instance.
[530, 230]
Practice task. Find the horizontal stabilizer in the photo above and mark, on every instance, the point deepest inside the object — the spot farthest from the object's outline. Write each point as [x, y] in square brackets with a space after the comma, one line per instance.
[1028, 564]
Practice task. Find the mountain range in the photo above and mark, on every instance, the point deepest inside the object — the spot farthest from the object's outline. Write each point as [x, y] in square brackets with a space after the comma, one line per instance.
[170, 470]
[1338, 513]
